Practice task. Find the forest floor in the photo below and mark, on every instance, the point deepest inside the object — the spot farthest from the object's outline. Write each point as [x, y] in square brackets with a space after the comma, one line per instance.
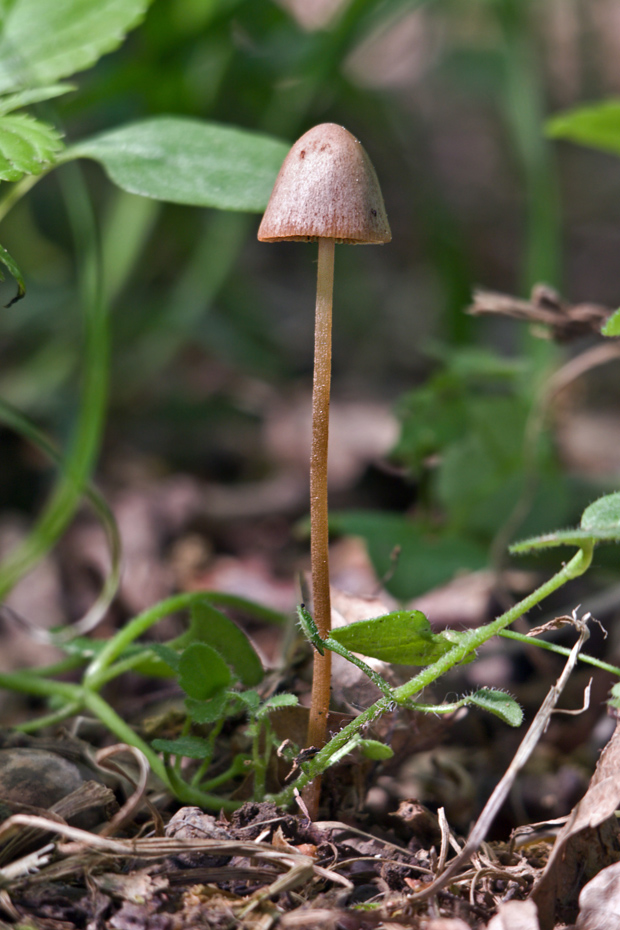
[386, 831]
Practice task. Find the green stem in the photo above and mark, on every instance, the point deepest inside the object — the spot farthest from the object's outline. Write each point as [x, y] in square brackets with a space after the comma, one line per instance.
[28, 683]
[189, 795]
[115, 724]
[468, 643]
[79, 462]
[233, 771]
[101, 670]
[173, 782]
[96, 673]
[18, 190]
[561, 651]
[201, 771]
[258, 764]
[311, 632]
[50, 720]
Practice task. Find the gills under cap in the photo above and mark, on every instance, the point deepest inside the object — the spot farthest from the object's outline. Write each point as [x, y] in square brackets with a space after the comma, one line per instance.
[327, 188]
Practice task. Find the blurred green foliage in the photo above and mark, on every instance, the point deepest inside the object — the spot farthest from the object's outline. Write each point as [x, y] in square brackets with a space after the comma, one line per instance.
[450, 100]
[485, 470]
[186, 277]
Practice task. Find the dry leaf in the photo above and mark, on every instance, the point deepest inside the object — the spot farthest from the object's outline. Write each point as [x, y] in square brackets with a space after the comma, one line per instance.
[587, 843]
[599, 901]
[137, 886]
[515, 915]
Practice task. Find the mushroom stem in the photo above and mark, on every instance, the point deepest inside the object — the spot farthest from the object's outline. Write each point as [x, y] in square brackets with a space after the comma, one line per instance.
[319, 522]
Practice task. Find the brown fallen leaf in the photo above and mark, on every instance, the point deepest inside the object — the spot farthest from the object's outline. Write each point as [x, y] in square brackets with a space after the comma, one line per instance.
[587, 843]
[599, 901]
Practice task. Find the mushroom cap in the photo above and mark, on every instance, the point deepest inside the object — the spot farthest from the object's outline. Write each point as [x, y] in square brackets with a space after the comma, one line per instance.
[327, 188]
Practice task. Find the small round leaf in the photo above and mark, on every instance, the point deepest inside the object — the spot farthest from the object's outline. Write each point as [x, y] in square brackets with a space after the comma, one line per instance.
[202, 672]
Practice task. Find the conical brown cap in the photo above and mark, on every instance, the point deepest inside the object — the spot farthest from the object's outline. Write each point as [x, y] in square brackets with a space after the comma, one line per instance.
[326, 188]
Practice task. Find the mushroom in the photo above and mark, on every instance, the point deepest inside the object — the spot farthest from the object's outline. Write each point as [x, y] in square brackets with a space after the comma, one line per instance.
[326, 190]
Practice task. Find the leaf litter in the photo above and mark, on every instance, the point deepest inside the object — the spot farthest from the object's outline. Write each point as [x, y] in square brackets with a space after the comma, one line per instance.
[263, 867]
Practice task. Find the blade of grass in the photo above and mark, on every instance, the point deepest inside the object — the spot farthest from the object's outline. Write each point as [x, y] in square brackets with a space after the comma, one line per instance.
[84, 446]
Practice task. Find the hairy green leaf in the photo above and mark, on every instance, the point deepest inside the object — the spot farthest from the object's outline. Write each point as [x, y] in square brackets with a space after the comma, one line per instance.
[403, 637]
[373, 749]
[275, 702]
[202, 672]
[250, 700]
[500, 703]
[27, 146]
[188, 161]
[208, 711]
[369, 747]
[44, 40]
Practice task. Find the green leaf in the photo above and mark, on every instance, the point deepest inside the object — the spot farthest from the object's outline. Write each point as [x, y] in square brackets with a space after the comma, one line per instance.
[26, 98]
[603, 516]
[207, 625]
[614, 700]
[202, 672]
[425, 560]
[9, 263]
[403, 637]
[597, 126]
[369, 747]
[208, 711]
[275, 703]
[164, 655]
[84, 646]
[373, 749]
[27, 146]
[611, 326]
[44, 40]
[600, 522]
[192, 747]
[250, 700]
[500, 703]
[210, 626]
[189, 161]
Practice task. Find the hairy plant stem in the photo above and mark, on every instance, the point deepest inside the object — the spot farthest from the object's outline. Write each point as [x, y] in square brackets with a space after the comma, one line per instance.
[579, 563]
[319, 519]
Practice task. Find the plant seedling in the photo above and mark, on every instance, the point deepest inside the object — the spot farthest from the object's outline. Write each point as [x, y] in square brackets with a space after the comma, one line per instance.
[327, 190]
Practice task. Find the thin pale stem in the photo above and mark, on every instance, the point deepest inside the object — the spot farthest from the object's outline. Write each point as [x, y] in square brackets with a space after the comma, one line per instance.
[319, 525]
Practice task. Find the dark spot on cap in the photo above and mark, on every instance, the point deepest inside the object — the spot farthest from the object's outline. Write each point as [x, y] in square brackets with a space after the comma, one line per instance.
[374, 212]
[302, 154]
